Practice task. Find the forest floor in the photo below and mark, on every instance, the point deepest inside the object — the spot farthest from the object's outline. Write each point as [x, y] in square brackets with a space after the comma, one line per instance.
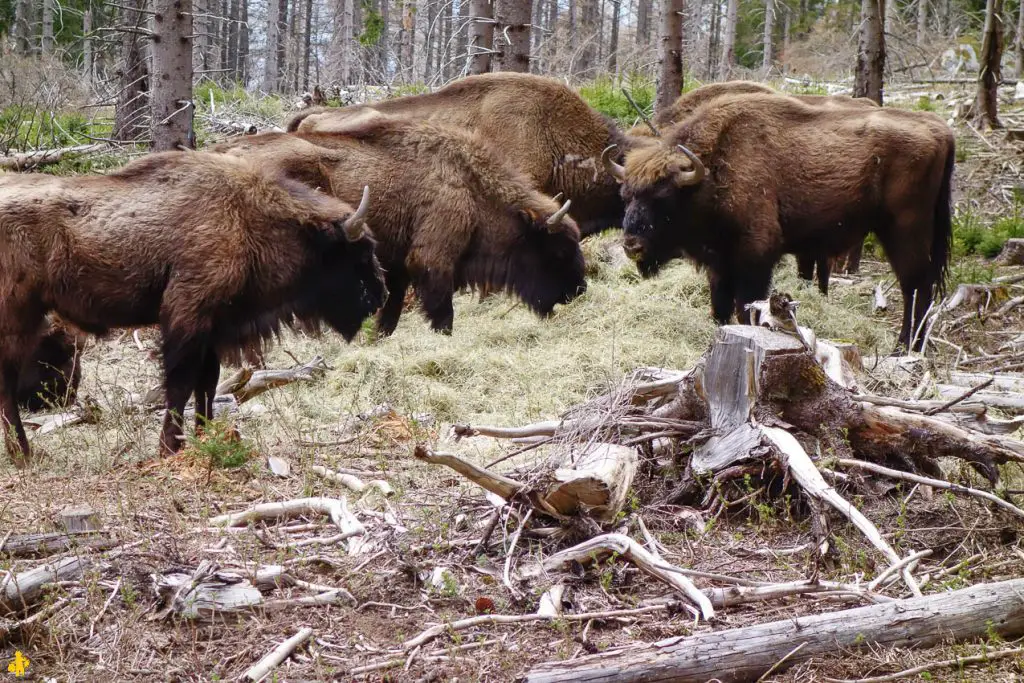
[419, 562]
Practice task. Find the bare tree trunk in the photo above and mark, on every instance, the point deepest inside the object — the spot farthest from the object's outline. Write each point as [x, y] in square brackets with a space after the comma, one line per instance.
[513, 21]
[384, 44]
[430, 40]
[870, 53]
[786, 31]
[587, 35]
[306, 44]
[892, 16]
[444, 48]
[407, 39]
[22, 29]
[462, 44]
[769, 29]
[572, 17]
[643, 22]
[1018, 67]
[613, 43]
[243, 42]
[87, 54]
[536, 33]
[172, 75]
[232, 26]
[987, 105]
[714, 38]
[270, 60]
[481, 36]
[47, 38]
[922, 21]
[670, 54]
[282, 41]
[729, 40]
[130, 120]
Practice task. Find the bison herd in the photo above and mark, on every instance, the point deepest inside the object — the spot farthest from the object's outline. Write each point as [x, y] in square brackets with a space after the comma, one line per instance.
[489, 183]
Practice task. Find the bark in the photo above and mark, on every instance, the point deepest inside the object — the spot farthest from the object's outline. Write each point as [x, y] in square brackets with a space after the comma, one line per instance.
[132, 108]
[536, 33]
[922, 21]
[713, 39]
[22, 29]
[987, 103]
[47, 38]
[769, 29]
[870, 53]
[786, 31]
[87, 51]
[1018, 67]
[243, 42]
[745, 654]
[588, 36]
[171, 126]
[307, 38]
[282, 40]
[643, 22]
[232, 31]
[670, 57]
[430, 40]
[613, 43]
[729, 40]
[407, 39]
[572, 16]
[481, 36]
[270, 61]
[513, 21]
[443, 54]
[462, 42]
[892, 16]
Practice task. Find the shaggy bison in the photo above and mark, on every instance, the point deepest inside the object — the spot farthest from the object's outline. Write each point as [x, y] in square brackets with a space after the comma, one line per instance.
[539, 125]
[217, 252]
[449, 213]
[770, 175]
[51, 374]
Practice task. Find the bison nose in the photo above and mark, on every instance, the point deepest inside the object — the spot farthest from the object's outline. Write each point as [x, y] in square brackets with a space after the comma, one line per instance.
[633, 246]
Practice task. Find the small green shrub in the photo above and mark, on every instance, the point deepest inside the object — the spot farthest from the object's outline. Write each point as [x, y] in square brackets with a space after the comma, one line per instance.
[219, 447]
[924, 103]
[605, 95]
[971, 237]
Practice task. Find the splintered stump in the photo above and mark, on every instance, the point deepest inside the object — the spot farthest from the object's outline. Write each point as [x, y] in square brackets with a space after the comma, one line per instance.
[746, 654]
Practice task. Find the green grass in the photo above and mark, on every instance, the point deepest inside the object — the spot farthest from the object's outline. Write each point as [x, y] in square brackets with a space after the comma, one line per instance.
[973, 237]
[24, 128]
[605, 95]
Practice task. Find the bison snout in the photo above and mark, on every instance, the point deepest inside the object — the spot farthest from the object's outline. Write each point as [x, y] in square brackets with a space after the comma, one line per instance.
[633, 246]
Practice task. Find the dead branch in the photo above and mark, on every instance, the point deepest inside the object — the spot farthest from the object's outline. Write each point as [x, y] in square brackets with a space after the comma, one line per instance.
[336, 509]
[265, 380]
[260, 669]
[42, 157]
[353, 482]
[24, 589]
[958, 662]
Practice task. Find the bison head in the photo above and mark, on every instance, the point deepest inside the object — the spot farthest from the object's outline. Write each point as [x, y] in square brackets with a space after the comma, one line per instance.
[348, 284]
[658, 182]
[546, 265]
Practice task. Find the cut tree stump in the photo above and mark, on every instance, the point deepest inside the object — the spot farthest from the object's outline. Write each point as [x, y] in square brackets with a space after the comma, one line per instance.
[745, 654]
[1012, 253]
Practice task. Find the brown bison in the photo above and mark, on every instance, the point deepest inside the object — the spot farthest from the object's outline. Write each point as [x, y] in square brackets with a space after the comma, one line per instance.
[217, 252]
[747, 179]
[448, 212]
[538, 125]
[50, 377]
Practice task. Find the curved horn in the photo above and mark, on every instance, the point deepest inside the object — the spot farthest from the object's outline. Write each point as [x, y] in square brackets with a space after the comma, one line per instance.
[555, 222]
[558, 197]
[615, 170]
[696, 175]
[354, 225]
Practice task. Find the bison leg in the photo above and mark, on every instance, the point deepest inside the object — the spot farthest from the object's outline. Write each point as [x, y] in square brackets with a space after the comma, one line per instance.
[181, 370]
[397, 281]
[14, 431]
[917, 299]
[752, 286]
[436, 296]
[853, 258]
[805, 266]
[206, 388]
[723, 295]
[824, 268]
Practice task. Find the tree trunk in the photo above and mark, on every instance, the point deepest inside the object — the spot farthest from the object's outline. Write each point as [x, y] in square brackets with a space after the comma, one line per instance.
[307, 38]
[462, 42]
[588, 37]
[670, 56]
[270, 60]
[744, 654]
[729, 40]
[643, 22]
[243, 42]
[892, 16]
[536, 33]
[47, 38]
[922, 21]
[786, 30]
[429, 40]
[481, 36]
[870, 53]
[232, 21]
[1018, 67]
[513, 21]
[383, 45]
[22, 29]
[987, 105]
[613, 43]
[444, 62]
[87, 54]
[407, 40]
[572, 17]
[282, 41]
[769, 29]
[130, 112]
[172, 75]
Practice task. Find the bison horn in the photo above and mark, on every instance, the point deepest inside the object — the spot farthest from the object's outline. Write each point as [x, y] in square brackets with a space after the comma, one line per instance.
[615, 170]
[554, 223]
[691, 177]
[558, 197]
[354, 225]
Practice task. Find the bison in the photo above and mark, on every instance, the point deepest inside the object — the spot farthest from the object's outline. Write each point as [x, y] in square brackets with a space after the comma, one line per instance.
[747, 179]
[217, 252]
[539, 125]
[450, 214]
[51, 375]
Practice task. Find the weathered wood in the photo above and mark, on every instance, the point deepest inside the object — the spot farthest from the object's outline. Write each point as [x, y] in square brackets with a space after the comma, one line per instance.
[1004, 381]
[24, 589]
[263, 667]
[42, 157]
[1006, 402]
[1012, 253]
[19, 545]
[744, 654]
[76, 518]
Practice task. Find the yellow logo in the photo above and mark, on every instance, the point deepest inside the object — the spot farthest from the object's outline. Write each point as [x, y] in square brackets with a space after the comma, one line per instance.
[18, 665]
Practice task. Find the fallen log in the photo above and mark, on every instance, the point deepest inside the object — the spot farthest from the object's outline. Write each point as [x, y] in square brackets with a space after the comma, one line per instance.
[745, 654]
[24, 589]
[42, 157]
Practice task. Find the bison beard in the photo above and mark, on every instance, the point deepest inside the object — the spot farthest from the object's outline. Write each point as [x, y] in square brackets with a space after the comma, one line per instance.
[448, 214]
[786, 177]
[215, 251]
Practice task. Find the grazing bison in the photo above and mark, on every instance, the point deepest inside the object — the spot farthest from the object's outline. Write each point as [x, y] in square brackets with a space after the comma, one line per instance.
[51, 374]
[449, 212]
[770, 175]
[217, 252]
[539, 125]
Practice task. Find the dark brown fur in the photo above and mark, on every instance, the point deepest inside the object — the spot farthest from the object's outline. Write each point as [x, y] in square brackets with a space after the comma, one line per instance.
[537, 124]
[447, 212]
[217, 252]
[786, 177]
[50, 377]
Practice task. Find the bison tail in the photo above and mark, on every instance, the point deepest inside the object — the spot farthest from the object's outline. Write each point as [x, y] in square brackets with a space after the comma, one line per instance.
[942, 228]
